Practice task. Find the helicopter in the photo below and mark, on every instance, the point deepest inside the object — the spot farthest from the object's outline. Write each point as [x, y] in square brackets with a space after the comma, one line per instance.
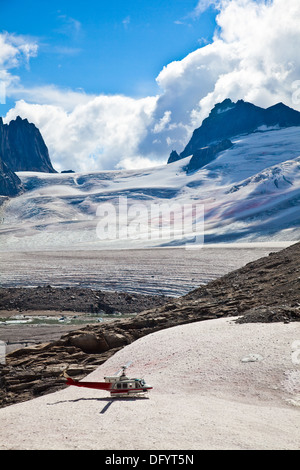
[117, 385]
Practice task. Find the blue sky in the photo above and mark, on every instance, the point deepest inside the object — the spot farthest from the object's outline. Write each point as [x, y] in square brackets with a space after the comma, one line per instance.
[109, 47]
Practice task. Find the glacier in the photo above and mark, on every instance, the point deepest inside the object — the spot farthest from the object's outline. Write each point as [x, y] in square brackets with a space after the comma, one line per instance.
[249, 193]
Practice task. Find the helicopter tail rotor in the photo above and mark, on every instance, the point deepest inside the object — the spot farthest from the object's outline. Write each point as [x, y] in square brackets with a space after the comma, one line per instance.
[65, 374]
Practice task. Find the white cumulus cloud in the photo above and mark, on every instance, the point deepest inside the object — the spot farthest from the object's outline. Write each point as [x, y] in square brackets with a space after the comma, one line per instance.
[95, 135]
[14, 52]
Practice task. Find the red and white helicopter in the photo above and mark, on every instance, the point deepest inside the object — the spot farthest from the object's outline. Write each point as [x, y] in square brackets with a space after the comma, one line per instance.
[117, 385]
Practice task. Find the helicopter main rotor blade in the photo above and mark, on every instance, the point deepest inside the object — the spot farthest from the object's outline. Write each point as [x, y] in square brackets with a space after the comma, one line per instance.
[124, 367]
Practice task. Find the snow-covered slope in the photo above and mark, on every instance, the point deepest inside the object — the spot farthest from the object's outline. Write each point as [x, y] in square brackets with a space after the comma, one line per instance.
[251, 192]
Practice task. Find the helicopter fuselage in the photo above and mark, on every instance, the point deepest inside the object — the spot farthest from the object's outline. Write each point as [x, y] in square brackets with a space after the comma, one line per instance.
[124, 386]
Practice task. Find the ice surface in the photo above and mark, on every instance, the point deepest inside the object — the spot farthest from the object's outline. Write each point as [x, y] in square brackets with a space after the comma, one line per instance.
[251, 192]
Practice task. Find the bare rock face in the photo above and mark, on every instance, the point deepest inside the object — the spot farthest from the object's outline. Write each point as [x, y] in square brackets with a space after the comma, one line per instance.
[174, 157]
[10, 183]
[22, 147]
[206, 155]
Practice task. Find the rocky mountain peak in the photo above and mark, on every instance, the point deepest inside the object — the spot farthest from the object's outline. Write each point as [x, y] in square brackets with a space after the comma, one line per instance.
[223, 107]
[22, 148]
[228, 120]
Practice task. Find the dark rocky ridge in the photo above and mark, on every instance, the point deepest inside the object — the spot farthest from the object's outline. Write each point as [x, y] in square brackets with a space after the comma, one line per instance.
[228, 120]
[10, 183]
[266, 290]
[22, 148]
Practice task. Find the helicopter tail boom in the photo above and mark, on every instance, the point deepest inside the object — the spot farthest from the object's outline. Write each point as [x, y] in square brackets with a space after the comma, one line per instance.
[96, 385]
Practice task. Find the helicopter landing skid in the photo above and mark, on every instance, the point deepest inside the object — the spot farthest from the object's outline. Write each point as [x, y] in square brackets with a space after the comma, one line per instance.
[129, 395]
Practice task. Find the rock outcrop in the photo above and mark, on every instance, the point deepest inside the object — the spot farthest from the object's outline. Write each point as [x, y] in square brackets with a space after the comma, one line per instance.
[266, 290]
[206, 155]
[174, 157]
